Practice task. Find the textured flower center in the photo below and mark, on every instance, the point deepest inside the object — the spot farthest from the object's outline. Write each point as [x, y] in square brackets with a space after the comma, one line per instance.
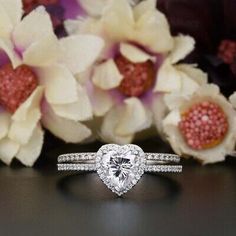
[227, 51]
[138, 77]
[29, 5]
[16, 86]
[204, 125]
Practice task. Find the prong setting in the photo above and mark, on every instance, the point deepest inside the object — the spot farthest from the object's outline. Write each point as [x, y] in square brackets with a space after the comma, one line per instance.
[120, 167]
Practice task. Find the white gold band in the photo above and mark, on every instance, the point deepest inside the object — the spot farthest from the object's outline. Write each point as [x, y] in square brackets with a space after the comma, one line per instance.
[148, 168]
[119, 167]
[162, 158]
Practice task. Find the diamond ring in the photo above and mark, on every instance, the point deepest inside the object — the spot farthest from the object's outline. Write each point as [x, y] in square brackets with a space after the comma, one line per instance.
[119, 167]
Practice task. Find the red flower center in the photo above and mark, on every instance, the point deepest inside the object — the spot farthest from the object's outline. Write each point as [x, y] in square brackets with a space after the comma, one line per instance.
[29, 5]
[16, 86]
[227, 51]
[204, 125]
[138, 77]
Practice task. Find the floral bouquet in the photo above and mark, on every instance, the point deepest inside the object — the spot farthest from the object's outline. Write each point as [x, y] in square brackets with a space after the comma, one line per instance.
[108, 70]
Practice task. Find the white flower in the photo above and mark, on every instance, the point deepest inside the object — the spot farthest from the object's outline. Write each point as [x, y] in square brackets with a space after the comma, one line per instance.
[139, 54]
[203, 126]
[45, 88]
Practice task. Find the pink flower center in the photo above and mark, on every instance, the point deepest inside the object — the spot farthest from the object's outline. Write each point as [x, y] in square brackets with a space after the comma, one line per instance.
[16, 86]
[138, 77]
[204, 125]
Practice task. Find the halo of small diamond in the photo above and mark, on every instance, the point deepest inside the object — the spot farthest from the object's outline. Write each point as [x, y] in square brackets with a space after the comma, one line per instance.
[107, 166]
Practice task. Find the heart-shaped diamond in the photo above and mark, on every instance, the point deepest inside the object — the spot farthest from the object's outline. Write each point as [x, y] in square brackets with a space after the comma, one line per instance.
[120, 167]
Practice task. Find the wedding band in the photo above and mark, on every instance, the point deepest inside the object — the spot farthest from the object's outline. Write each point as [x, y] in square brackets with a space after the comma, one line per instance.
[119, 167]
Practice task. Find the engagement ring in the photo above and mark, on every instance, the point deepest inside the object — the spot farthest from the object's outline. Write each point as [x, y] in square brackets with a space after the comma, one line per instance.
[119, 167]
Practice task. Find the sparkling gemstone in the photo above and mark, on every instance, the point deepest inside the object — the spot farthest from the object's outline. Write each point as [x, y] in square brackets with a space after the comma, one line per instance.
[120, 167]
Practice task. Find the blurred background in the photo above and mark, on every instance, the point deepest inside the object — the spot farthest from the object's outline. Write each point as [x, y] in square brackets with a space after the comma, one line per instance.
[211, 22]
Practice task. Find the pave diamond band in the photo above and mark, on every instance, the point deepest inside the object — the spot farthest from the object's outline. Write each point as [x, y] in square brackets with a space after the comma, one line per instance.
[92, 167]
[119, 167]
[86, 156]
[74, 157]
[78, 167]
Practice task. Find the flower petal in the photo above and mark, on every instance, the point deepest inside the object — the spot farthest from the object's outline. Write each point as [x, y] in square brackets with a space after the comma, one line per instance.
[178, 99]
[43, 53]
[5, 120]
[183, 45]
[169, 126]
[194, 73]
[79, 52]
[72, 26]
[232, 99]
[60, 85]
[14, 10]
[94, 8]
[30, 152]
[33, 102]
[78, 111]
[153, 31]
[118, 20]
[6, 25]
[101, 101]
[188, 86]
[8, 48]
[209, 90]
[143, 7]
[67, 130]
[191, 79]
[134, 54]
[160, 111]
[134, 119]
[84, 26]
[21, 131]
[109, 125]
[168, 78]
[106, 75]
[8, 150]
[26, 118]
[174, 100]
[33, 28]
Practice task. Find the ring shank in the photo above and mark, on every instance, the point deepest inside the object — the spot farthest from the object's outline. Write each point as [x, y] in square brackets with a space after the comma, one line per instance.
[88, 157]
[155, 162]
[77, 157]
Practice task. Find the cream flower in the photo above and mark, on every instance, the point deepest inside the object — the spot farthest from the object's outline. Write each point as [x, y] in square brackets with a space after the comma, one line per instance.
[232, 99]
[179, 79]
[96, 8]
[37, 83]
[203, 126]
[140, 53]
